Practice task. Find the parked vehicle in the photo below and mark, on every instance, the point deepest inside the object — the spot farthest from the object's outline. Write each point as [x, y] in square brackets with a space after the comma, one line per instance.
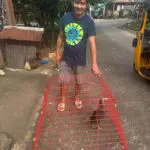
[141, 46]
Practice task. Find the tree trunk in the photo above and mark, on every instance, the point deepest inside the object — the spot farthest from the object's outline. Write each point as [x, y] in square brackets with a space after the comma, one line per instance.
[24, 20]
[53, 39]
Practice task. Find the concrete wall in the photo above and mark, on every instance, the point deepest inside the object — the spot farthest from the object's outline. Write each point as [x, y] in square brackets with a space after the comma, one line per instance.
[2, 54]
[1, 59]
[17, 54]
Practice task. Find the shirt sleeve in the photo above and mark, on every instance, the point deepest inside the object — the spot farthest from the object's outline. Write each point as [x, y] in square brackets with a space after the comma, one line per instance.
[91, 28]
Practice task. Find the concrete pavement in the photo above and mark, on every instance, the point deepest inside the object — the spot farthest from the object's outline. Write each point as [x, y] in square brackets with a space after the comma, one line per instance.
[19, 94]
[115, 57]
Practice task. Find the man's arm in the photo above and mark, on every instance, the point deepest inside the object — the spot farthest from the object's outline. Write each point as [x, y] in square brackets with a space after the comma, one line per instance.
[92, 42]
[58, 47]
[93, 49]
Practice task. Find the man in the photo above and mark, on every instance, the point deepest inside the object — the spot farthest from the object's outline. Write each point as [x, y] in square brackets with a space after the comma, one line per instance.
[75, 29]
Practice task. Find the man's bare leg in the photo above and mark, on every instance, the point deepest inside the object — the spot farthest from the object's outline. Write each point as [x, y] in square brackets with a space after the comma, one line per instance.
[78, 101]
[63, 91]
[77, 90]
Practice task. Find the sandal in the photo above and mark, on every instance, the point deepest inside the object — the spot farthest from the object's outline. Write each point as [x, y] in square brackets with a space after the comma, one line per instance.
[79, 104]
[61, 106]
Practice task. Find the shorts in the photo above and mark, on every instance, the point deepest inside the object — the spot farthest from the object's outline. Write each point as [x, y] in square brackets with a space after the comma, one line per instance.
[69, 73]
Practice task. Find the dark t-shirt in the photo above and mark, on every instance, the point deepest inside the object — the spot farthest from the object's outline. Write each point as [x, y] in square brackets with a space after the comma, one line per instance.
[76, 32]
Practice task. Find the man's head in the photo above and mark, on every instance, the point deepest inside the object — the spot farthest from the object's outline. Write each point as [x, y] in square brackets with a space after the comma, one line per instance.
[79, 7]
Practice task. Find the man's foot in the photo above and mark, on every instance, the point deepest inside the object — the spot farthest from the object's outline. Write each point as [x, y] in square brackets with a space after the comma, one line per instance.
[78, 103]
[61, 106]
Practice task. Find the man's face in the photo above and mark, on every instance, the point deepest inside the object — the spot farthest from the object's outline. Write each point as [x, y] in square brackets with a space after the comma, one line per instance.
[79, 7]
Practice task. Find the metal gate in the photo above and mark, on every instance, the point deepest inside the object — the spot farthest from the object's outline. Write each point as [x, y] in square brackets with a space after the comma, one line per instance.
[96, 126]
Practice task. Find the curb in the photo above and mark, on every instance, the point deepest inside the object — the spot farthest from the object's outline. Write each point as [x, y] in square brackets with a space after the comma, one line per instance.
[103, 20]
[125, 29]
[27, 142]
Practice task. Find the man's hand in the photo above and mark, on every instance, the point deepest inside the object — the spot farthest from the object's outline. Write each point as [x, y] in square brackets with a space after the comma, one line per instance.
[58, 57]
[58, 60]
[95, 70]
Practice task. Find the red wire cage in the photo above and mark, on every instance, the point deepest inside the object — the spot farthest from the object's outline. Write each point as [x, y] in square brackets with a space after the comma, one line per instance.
[97, 126]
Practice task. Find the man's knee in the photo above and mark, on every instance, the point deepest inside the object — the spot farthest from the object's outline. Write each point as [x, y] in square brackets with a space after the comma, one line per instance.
[64, 79]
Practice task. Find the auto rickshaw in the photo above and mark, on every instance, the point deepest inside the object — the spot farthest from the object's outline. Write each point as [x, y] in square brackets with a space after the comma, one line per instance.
[141, 46]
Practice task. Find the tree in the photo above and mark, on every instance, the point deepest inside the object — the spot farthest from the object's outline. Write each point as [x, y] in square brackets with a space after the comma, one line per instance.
[23, 9]
[44, 12]
[140, 4]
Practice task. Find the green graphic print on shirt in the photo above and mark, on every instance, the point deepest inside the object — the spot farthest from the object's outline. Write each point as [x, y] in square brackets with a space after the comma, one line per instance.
[74, 33]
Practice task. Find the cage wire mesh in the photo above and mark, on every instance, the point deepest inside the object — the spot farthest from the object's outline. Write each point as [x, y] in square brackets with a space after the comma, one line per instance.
[96, 126]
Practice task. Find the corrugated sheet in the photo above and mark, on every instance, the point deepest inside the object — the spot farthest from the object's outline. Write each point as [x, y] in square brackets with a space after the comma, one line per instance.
[21, 35]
